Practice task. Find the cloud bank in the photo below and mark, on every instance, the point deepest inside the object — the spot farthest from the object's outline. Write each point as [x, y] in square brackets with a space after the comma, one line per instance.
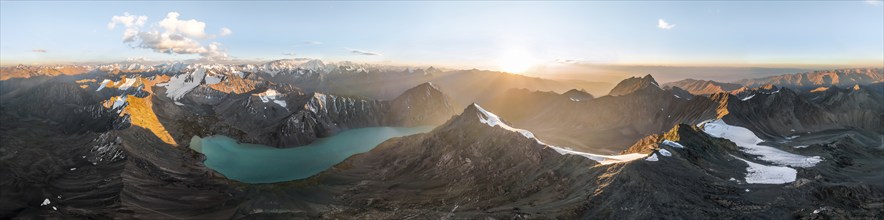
[171, 35]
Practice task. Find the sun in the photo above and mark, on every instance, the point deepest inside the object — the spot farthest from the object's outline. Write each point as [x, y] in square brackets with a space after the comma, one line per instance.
[516, 62]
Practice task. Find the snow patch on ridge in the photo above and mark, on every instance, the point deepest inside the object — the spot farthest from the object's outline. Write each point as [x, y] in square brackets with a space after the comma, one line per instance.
[103, 84]
[762, 174]
[119, 102]
[673, 144]
[272, 95]
[653, 157]
[748, 142]
[180, 85]
[127, 83]
[493, 120]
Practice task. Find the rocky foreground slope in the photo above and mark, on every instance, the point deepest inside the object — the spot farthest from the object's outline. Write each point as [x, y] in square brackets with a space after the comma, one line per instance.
[475, 167]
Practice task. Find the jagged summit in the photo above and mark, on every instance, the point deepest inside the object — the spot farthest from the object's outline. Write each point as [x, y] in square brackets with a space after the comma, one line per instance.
[635, 84]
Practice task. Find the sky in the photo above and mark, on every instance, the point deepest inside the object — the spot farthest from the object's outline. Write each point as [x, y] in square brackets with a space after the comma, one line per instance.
[509, 36]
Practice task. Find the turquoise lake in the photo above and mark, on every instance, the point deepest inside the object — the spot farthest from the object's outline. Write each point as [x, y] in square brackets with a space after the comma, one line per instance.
[255, 163]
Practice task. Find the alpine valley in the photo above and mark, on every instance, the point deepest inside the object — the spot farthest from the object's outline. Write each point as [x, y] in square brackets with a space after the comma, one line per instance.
[133, 140]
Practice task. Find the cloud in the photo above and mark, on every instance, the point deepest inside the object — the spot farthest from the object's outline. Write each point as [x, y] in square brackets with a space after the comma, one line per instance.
[171, 35]
[289, 53]
[39, 51]
[137, 59]
[664, 25]
[366, 53]
[126, 20]
[225, 31]
[875, 2]
[190, 28]
[567, 61]
[311, 43]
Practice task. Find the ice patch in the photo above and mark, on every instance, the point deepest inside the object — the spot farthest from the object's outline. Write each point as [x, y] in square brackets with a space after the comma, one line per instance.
[180, 85]
[762, 174]
[748, 142]
[128, 83]
[45, 202]
[213, 79]
[653, 157]
[747, 98]
[673, 144]
[665, 152]
[103, 84]
[272, 95]
[119, 102]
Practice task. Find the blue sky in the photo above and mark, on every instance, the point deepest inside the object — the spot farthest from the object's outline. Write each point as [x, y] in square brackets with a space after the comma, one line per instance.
[493, 35]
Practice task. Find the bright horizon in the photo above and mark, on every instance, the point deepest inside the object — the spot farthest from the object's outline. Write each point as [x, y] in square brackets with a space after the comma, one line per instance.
[512, 37]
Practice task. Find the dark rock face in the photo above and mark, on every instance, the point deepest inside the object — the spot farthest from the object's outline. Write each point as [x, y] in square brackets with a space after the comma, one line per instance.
[645, 84]
[424, 104]
[681, 93]
[324, 115]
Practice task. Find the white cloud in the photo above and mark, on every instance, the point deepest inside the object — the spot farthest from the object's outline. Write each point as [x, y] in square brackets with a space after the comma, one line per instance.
[225, 31]
[875, 2]
[137, 59]
[312, 43]
[190, 28]
[289, 53]
[664, 25]
[171, 35]
[366, 53]
[39, 51]
[127, 20]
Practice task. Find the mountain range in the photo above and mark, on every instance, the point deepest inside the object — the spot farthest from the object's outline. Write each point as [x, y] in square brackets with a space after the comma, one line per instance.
[113, 141]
